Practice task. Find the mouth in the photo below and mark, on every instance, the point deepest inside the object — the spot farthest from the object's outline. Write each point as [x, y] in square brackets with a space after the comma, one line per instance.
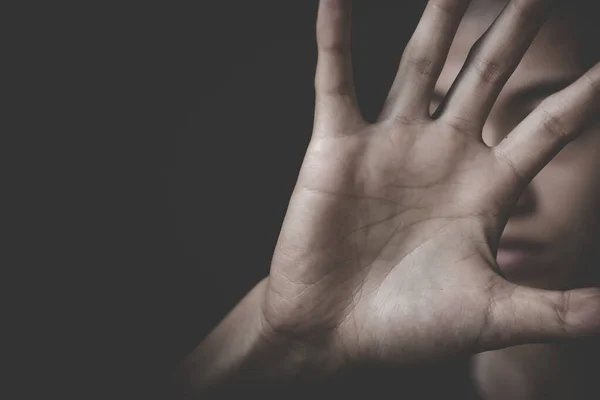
[517, 254]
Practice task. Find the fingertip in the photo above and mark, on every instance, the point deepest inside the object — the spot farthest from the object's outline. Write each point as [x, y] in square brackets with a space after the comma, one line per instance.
[333, 23]
[582, 315]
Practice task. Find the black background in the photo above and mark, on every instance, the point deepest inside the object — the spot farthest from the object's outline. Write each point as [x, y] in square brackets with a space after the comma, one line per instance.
[177, 130]
[251, 120]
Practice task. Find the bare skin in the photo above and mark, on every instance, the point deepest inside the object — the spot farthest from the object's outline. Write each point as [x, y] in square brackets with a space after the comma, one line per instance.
[559, 208]
[388, 248]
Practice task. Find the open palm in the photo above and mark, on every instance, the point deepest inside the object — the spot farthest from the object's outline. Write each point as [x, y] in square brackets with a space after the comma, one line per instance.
[388, 247]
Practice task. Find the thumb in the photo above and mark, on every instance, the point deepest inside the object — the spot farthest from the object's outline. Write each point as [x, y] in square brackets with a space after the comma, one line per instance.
[521, 315]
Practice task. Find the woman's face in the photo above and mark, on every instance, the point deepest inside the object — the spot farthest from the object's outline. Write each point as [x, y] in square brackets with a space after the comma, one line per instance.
[560, 210]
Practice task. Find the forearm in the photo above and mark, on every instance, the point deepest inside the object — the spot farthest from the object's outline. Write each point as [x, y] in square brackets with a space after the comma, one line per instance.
[243, 350]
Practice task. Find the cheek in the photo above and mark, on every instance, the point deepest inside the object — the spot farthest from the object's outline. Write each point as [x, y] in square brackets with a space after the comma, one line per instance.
[575, 171]
[569, 190]
[569, 195]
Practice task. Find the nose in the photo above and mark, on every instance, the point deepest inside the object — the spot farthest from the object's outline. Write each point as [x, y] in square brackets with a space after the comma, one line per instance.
[493, 132]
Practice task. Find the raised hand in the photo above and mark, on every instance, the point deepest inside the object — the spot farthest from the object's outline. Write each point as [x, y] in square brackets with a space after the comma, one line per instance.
[388, 247]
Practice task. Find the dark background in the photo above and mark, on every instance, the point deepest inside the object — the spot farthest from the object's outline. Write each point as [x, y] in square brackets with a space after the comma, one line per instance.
[177, 131]
[250, 122]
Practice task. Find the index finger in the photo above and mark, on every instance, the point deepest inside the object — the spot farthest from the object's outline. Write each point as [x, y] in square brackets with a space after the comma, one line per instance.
[334, 81]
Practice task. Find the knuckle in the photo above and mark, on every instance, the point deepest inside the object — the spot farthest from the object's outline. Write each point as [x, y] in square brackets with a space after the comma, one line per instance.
[461, 124]
[507, 160]
[343, 88]
[417, 59]
[333, 46]
[554, 125]
[561, 308]
[529, 10]
[401, 120]
[422, 65]
[593, 83]
[489, 71]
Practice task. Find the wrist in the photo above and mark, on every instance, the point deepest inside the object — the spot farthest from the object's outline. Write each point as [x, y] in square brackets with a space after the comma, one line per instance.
[300, 358]
[244, 349]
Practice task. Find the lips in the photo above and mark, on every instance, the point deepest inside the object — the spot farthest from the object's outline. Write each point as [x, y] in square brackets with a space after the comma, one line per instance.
[516, 254]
